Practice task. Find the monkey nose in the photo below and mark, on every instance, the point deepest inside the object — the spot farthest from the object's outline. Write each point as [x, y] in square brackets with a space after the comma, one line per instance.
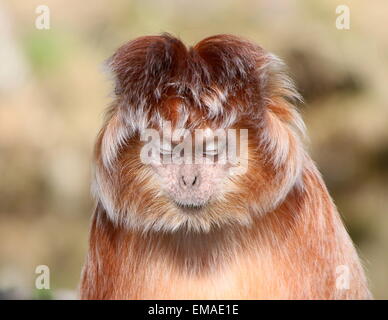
[189, 181]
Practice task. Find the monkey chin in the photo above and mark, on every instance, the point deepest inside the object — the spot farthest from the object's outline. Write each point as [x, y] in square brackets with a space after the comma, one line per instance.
[199, 218]
[191, 208]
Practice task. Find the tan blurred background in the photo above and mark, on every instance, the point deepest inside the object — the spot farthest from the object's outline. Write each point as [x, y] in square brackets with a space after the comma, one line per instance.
[53, 93]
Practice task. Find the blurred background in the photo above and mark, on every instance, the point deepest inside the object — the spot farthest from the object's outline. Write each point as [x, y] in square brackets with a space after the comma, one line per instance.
[53, 93]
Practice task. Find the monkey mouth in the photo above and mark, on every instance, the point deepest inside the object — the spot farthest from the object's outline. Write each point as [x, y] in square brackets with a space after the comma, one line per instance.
[190, 207]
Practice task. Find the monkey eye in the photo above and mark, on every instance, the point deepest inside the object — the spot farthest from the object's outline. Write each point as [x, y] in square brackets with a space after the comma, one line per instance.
[213, 149]
[165, 150]
[210, 152]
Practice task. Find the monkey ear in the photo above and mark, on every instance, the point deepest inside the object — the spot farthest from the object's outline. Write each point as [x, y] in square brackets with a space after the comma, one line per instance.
[141, 66]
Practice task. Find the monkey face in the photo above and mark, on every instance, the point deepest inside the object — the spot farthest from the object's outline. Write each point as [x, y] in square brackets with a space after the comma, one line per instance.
[222, 83]
[194, 185]
[168, 186]
[195, 173]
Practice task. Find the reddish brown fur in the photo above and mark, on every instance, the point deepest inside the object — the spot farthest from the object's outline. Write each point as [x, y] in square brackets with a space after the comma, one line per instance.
[295, 238]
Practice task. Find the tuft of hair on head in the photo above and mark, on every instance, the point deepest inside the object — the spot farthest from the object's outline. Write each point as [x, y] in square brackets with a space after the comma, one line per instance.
[222, 78]
[223, 81]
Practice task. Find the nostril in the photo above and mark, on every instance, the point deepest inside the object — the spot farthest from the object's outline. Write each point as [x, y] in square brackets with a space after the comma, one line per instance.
[189, 181]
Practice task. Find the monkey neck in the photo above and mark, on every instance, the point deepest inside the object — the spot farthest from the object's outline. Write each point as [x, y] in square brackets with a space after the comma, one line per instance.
[189, 252]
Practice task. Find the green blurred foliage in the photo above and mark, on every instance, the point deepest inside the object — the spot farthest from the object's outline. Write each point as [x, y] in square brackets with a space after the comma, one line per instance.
[45, 51]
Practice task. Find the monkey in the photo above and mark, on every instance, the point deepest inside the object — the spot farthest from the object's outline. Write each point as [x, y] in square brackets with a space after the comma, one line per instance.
[183, 230]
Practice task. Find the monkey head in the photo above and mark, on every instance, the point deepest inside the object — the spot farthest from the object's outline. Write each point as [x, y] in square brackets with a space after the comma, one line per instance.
[197, 138]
